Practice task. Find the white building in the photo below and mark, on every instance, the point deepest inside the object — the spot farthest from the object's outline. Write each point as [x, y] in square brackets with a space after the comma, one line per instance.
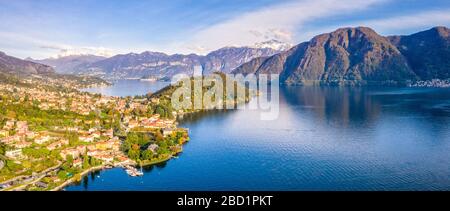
[14, 154]
[42, 139]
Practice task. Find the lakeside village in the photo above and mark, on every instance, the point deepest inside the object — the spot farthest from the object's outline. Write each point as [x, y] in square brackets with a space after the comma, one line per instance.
[51, 138]
[435, 83]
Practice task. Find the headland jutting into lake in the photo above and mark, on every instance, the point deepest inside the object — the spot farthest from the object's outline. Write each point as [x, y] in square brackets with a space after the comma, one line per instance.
[325, 138]
[79, 132]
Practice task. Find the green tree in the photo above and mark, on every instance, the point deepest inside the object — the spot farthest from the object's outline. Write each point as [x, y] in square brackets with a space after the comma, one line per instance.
[132, 138]
[160, 111]
[2, 149]
[86, 162]
[62, 175]
[158, 136]
[69, 160]
[73, 139]
[125, 146]
[134, 154]
[147, 155]
[92, 161]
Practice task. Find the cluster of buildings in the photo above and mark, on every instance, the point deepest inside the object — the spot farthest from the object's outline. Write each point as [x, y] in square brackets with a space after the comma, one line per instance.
[94, 139]
[81, 103]
[107, 151]
[16, 135]
[432, 83]
[100, 144]
[154, 122]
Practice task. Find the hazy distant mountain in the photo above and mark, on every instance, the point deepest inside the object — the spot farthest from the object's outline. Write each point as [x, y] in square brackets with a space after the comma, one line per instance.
[227, 59]
[16, 71]
[134, 65]
[16, 66]
[159, 64]
[359, 56]
[69, 64]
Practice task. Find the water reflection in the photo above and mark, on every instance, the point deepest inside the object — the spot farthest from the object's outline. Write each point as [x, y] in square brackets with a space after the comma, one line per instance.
[125, 88]
[199, 116]
[365, 104]
[326, 138]
[340, 104]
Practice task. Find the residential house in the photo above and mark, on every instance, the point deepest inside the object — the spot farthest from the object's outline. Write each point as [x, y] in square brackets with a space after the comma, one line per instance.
[106, 158]
[14, 154]
[91, 147]
[10, 139]
[9, 125]
[133, 124]
[153, 147]
[116, 146]
[58, 144]
[167, 132]
[104, 145]
[122, 158]
[42, 139]
[109, 133]
[78, 163]
[22, 144]
[21, 127]
[96, 134]
[73, 152]
[94, 153]
[88, 138]
[30, 134]
[81, 149]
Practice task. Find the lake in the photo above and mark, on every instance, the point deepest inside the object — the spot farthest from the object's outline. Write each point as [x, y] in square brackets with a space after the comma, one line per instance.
[326, 138]
[124, 88]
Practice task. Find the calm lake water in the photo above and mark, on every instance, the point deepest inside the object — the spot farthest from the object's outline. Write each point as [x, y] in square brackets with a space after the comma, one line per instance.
[124, 88]
[326, 138]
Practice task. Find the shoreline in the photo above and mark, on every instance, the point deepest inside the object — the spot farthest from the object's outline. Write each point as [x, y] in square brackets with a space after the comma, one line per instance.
[158, 161]
[85, 172]
[119, 165]
[72, 180]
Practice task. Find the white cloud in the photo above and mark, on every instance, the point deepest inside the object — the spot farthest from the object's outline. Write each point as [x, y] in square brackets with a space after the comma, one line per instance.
[49, 48]
[274, 22]
[424, 19]
[391, 25]
[98, 51]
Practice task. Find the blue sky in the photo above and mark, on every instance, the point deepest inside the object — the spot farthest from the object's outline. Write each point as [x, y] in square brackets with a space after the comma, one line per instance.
[45, 28]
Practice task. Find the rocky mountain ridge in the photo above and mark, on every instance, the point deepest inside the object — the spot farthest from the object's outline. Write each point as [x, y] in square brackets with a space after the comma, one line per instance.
[359, 56]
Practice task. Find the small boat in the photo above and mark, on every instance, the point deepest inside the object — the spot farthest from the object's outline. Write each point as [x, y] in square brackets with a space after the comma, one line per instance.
[133, 171]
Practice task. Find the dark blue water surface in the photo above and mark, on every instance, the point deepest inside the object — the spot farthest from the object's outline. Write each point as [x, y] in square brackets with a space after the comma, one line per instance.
[326, 138]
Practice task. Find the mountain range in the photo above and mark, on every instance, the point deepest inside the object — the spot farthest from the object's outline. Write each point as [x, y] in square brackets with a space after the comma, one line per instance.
[359, 56]
[346, 56]
[158, 64]
[16, 66]
[17, 71]
[69, 64]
